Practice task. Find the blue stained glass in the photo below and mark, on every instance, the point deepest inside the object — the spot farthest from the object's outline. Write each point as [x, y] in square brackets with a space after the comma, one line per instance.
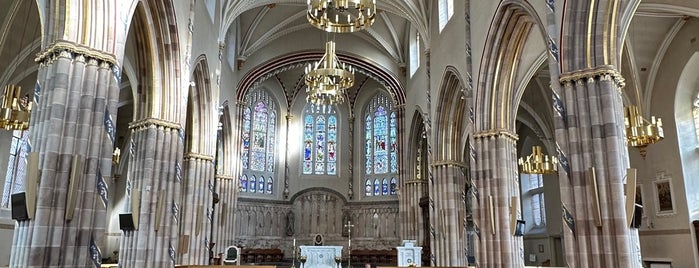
[380, 142]
[252, 186]
[394, 184]
[246, 138]
[271, 141]
[332, 143]
[320, 145]
[261, 185]
[394, 143]
[367, 146]
[258, 157]
[244, 183]
[270, 184]
[384, 187]
[368, 190]
[308, 144]
[320, 141]
[377, 187]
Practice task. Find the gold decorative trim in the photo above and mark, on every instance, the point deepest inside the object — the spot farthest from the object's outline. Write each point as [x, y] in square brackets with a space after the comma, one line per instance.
[154, 121]
[605, 72]
[448, 163]
[198, 156]
[496, 132]
[59, 46]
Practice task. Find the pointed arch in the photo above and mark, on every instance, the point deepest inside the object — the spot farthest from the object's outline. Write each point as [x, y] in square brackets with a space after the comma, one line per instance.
[496, 101]
[451, 119]
[200, 111]
[157, 38]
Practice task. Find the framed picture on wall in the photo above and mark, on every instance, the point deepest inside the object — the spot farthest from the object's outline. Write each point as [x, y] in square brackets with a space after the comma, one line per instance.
[665, 200]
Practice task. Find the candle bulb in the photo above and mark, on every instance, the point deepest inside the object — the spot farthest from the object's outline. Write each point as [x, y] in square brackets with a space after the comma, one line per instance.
[294, 242]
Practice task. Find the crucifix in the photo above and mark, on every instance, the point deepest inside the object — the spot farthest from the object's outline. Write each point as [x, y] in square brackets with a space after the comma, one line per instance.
[349, 226]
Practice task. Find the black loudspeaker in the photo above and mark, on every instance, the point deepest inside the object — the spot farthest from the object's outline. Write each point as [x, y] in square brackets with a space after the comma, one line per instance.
[126, 222]
[637, 216]
[19, 207]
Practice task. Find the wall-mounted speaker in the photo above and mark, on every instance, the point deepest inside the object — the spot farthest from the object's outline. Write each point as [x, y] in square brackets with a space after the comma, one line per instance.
[519, 228]
[126, 222]
[637, 216]
[19, 207]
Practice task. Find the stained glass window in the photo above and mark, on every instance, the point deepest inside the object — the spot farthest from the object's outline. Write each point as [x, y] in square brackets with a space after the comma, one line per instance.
[394, 185]
[380, 144]
[319, 140]
[16, 166]
[252, 185]
[259, 140]
[384, 187]
[244, 183]
[269, 185]
[368, 189]
[261, 185]
[377, 187]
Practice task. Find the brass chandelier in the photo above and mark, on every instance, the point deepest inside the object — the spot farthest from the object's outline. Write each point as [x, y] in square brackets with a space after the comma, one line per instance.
[328, 79]
[341, 16]
[640, 132]
[538, 163]
[15, 111]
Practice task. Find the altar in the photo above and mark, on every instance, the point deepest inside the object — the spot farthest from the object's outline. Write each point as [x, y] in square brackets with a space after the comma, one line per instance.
[321, 256]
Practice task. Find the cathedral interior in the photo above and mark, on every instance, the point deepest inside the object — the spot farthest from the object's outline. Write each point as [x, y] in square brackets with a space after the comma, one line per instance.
[509, 133]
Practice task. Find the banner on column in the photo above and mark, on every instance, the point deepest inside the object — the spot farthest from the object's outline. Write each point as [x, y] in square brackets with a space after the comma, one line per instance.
[568, 219]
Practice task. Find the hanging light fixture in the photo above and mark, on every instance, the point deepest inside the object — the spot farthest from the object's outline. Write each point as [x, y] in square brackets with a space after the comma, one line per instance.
[341, 16]
[538, 163]
[327, 79]
[15, 111]
[640, 132]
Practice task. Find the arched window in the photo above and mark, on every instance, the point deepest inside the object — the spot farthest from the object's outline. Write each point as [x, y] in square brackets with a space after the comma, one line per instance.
[259, 140]
[244, 183]
[16, 166]
[368, 189]
[446, 10]
[533, 202]
[377, 187]
[695, 112]
[380, 143]
[319, 140]
[414, 52]
[252, 184]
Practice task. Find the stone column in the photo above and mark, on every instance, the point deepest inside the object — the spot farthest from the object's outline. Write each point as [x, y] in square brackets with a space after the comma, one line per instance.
[72, 130]
[497, 183]
[196, 207]
[224, 224]
[448, 242]
[590, 135]
[153, 192]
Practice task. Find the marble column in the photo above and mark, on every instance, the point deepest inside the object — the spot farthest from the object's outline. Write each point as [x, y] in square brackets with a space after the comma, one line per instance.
[197, 217]
[153, 193]
[590, 135]
[497, 201]
[72, 130]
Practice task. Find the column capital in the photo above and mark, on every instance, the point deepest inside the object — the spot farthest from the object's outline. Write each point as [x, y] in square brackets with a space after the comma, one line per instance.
[496, 133]
[75, 49]
[193, 155]
[147, 122]
[604, 72]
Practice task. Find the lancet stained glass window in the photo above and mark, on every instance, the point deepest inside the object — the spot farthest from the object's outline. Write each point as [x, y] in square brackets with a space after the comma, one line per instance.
[319, 140]
[259, 141]
[380, 144]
